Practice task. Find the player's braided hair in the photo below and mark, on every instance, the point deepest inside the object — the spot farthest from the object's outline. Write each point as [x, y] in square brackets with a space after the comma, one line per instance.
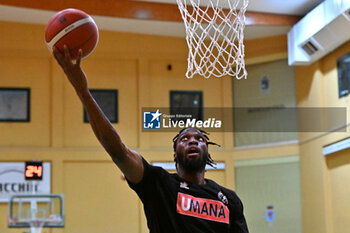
[205, 134]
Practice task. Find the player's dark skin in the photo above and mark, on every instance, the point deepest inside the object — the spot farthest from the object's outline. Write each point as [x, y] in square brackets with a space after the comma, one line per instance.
[191, 148]
[191, 155]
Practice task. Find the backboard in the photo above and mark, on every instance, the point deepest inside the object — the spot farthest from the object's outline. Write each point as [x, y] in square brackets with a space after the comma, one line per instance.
[43, 210]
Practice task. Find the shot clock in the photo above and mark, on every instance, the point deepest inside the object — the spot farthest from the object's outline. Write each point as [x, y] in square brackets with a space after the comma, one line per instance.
[33, 170]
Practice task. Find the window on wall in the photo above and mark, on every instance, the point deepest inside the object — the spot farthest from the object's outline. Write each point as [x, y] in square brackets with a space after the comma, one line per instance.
[108, 102]
[14, 104]
[186, 103]
[265, 105]
[343, 65]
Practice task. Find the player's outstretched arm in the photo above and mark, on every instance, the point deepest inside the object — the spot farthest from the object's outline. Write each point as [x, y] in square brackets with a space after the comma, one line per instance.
[129, 161]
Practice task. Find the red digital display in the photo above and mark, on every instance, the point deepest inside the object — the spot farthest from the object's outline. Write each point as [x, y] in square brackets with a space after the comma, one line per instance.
[33, 170]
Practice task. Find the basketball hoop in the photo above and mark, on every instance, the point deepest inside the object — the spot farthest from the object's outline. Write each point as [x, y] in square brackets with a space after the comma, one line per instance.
[36, 225]
[214, 35]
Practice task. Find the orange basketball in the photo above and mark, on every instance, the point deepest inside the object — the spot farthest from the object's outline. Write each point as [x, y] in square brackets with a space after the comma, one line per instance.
[73, 28]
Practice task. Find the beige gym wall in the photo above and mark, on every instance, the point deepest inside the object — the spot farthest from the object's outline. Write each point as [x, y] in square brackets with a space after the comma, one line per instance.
[97, 199]
[324, 180]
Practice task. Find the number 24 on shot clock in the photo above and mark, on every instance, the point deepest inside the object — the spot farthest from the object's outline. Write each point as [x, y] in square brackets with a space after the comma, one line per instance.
[33, 170]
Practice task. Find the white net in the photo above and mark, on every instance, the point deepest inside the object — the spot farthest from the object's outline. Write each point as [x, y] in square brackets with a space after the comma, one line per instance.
[36, 226]
[214, 34]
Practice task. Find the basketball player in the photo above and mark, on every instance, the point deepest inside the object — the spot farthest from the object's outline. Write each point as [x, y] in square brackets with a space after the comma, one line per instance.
[184, 202]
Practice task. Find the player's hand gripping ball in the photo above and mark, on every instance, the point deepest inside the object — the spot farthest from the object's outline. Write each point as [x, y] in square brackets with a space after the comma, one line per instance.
[73, 28]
